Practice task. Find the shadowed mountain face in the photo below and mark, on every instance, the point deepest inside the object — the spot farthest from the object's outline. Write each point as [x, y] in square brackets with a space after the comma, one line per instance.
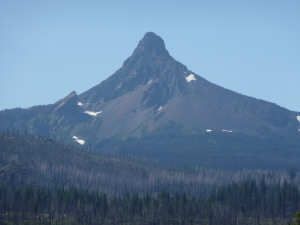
[152, 89]
[150, 94]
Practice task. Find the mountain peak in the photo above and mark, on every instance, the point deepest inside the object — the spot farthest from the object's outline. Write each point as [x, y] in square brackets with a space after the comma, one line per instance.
[151, 43]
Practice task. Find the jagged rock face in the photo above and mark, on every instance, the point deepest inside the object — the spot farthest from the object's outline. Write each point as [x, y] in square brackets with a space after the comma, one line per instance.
[66, 112]
[150, 91]
[149, 62]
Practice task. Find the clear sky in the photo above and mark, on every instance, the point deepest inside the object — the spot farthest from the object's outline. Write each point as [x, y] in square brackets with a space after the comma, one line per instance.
[50, 48]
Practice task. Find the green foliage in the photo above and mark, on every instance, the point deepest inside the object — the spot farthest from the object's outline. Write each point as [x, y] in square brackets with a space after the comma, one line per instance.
[237, 201]
[296, 219]
[45, 182]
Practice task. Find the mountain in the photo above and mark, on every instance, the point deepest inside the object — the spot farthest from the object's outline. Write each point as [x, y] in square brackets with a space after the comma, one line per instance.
[154, 95]
[152, 89]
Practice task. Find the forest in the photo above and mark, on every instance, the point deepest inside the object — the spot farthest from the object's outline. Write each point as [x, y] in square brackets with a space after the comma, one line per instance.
[44, 181]
[236, 203]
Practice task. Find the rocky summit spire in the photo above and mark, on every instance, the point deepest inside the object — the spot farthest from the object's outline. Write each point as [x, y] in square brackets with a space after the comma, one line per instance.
[151, 43]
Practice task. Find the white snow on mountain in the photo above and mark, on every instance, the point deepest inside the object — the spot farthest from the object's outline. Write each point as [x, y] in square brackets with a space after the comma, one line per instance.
[79, 103]
[298, 118]
[228, 131]
[190, 78]
[208, 130]
[93, 113]
[78, 140]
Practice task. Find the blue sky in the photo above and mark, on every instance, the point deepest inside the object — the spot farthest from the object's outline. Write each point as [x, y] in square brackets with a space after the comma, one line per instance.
[50, 48]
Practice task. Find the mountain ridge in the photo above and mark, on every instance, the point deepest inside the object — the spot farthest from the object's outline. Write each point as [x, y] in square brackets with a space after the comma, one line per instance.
[174, 81]
[148, 93]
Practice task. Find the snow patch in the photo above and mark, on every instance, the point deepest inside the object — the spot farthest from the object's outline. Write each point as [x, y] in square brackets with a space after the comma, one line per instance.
[160, 108]
[298, 118]
[149, 82]
[190, 78]
[78, 140]
[208, 130]
[93, 113]
[228, 131]
[79, 103]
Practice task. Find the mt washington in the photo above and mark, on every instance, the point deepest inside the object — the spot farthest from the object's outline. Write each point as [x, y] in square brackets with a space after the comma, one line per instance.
[155, 108]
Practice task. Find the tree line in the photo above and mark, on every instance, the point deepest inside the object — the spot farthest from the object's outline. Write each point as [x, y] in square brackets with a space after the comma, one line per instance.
[26, 160]
[246, 202]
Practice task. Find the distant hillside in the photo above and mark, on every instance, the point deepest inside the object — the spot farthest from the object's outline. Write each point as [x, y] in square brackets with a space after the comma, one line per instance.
[215, 150]
[42, 161]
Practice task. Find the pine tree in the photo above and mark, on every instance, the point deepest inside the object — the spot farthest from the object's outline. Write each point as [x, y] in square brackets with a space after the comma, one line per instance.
[296, 219]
